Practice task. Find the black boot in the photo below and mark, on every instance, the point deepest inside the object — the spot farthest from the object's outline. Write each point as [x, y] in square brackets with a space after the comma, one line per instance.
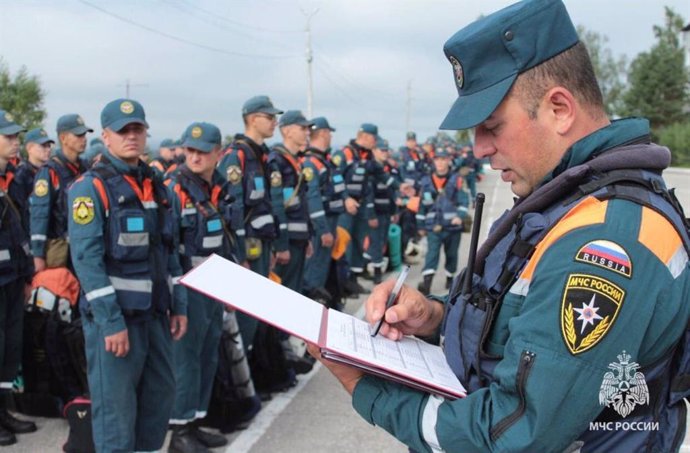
[449, 282]
[378, 275]
[320, 295]
[14, 425]
[6, 437]
[301, 365]
[208, 439]
[351, 287]
[183, 440]
[425, 286]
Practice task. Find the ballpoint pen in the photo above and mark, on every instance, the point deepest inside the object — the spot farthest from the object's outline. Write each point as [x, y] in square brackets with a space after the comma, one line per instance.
[392, 298]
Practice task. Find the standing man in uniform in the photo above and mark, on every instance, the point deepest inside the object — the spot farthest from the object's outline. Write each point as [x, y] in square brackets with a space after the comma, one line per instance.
[165, 158]
[327, 195]
[356, 163]
[289, 196]
[38, 145]
[244, 166]
[200, 197]
[386, 185]
[48, 205]
[16, 270]
[412, 156]
[553, 329]
[442, 210]
[125, 257]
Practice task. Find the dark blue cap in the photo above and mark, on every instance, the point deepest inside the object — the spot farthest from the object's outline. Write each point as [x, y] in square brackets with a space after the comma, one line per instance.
[202, 136]
[95, 141]
[121, 112]
[488, 55]
[441, 152]
[320, 122]
[167, 143]
[260, 104]
[382, 144]
[293, 117]
[411, 136]
[7, 124]
[39, 136]
[369, 128]
[72, 123]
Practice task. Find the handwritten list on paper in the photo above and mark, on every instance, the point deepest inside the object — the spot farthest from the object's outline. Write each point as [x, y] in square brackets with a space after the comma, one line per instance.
[352, 337]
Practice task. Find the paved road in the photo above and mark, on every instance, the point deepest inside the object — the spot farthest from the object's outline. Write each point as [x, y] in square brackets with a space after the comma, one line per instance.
[317, 416]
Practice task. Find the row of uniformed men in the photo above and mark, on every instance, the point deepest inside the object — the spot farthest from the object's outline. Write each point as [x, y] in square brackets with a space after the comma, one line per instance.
[121, 276]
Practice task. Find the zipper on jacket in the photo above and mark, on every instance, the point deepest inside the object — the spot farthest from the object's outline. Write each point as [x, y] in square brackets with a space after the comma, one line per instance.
[526, 362]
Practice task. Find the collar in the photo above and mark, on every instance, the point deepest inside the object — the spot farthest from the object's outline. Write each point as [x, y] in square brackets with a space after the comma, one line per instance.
[618, 133]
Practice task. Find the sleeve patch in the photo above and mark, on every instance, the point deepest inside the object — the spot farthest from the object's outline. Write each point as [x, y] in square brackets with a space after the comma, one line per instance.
[276, 179]
[41, 188]
[83, 210]
[234, 174]
[607, 255]
[589, 307]
[308, 173]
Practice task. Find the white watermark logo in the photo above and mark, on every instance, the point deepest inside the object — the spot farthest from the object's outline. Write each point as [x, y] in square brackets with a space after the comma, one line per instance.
[623, 388]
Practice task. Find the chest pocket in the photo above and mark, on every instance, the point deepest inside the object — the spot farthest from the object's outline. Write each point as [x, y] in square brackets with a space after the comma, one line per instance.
[256, 188]
[338, 184]
[130, 235]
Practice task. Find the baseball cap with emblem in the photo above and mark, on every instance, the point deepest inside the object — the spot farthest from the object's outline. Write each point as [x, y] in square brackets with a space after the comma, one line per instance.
[320, 122]
[202, 136]
[369, 128]
[121, 112]
[489, 54]
[39, 136]
[72, 123]
[260, 104]
[7, 124]
[293, 117]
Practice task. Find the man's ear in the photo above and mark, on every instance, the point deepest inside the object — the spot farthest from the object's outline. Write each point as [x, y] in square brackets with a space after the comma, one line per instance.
[562, 108]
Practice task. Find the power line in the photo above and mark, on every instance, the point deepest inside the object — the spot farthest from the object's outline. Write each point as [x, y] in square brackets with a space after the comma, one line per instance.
[239, 24]
[182, 40]
[214, 21]
[357, 85]
[338, 87]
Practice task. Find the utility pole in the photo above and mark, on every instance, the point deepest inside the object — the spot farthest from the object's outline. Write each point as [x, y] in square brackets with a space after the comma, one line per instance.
[310, 59]
[409, 106]
[127, 86]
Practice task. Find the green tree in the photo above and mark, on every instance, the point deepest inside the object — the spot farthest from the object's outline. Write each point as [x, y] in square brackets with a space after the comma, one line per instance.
[463, 136]
[677, 138]
[610, 71]
[22, 96]
[658, 79]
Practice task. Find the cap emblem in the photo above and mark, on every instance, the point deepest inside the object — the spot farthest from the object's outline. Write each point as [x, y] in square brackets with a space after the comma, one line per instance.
[127, 107]
[457, 70]
[9, 118]
[196, 132]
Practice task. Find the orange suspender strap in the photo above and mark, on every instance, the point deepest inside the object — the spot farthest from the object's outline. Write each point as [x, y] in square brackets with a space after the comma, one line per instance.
[317, 163]
[54, 178]
[144, 193]
[100, 188]
[349, 155]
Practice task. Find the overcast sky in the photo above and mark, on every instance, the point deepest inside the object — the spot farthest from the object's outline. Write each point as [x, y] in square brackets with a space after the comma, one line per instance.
[199, 60]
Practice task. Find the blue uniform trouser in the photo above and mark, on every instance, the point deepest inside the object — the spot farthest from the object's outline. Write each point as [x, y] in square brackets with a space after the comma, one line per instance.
[378, 238]
[132, 396]
[471, 181]
[261, 266]
[450, 241]
[196, 358]
[316, 267]
[11, 331]
[292, 273]
[358, 226]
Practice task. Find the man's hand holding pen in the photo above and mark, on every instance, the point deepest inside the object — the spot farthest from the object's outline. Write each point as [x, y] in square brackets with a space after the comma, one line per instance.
[412, 314]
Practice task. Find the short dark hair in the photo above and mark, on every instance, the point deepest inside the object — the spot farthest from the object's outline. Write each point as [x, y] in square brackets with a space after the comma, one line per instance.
[571, 69]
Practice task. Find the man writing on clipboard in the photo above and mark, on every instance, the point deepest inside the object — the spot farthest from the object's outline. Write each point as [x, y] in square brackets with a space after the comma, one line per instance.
[579, 280]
